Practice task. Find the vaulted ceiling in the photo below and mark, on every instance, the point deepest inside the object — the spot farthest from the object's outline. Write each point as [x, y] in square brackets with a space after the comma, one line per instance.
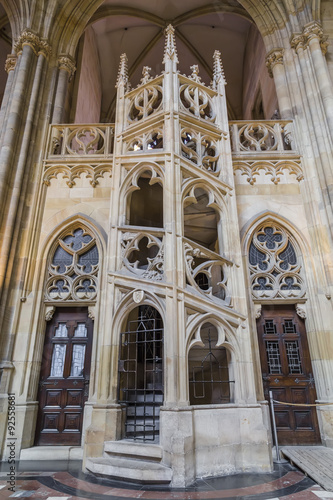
[137, 28]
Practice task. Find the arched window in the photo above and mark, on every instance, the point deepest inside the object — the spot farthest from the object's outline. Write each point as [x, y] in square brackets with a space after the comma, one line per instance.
[275, 266]
[201, 221]
[73, 267]
[146, 206]
[209, 366]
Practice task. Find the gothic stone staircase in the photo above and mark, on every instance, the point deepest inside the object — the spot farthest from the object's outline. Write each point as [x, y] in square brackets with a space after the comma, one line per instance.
[131, 461]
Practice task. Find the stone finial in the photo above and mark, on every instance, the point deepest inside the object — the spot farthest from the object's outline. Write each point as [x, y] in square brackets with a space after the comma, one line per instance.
[170, 50]
[10, 62]
[195, 73]
[218, 72]
[146, 76]
[67, 63]
[122, 78]
[274, 57]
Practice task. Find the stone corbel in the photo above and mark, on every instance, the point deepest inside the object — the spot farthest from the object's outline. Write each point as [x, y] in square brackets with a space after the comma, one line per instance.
[257, 311]
[67, 63]
[301, 310]
[49, 311]
[274, 57]
[27, 37]
[314, 30]
[10, 63]
[91, 312]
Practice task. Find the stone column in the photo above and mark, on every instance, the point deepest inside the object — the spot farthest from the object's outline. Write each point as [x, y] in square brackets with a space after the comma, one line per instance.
[9, 67]
[66, 71]
[26, 47]
[276, 70]
[316, 41]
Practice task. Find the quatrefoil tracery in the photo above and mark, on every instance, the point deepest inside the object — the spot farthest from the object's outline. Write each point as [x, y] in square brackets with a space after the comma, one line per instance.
[73, 268]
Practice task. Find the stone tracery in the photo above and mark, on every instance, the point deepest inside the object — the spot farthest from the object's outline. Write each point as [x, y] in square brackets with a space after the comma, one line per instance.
[275, 267]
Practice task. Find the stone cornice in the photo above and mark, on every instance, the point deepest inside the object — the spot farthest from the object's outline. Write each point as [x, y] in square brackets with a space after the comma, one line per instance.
[274, 57]
[38, 45]
[67, 63]
[10, 62]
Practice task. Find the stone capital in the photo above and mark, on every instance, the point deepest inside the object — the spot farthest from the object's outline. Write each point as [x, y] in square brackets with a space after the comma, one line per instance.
[67, 63]
[45, 48]
[314, 30]
[10, 62]
[298, 41]
[27, 37]
[274, 57]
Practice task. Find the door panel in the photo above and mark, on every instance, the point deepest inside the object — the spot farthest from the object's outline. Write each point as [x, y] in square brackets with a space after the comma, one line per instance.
[64, 378]
[287, 372]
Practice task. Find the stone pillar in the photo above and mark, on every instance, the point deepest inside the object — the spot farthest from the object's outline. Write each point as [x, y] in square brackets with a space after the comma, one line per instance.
[66, 71]
[274, 63]
[316, 41]
[9, 67]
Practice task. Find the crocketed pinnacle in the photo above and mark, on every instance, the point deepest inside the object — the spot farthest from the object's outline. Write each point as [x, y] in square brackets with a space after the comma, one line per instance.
[122, 78]
[170, 50]
[218, 75]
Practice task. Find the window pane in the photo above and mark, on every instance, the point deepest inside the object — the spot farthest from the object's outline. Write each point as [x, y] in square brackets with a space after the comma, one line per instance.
[81, 330]
[61, 331]
[78, 360]
[58, 360]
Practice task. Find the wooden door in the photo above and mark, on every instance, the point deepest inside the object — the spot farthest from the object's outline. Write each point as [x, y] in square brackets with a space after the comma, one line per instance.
[64, 378]
[287, 372]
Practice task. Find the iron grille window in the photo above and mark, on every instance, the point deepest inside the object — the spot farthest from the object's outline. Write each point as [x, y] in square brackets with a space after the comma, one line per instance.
[209, 373]
[293, 356]
[273, 357]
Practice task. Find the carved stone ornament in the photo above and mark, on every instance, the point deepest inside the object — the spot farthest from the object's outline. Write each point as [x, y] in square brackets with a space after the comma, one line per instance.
[274, 57]
[170, 50]
[122, 78]
[91, 312]
[139, 296]
[27, 37]
[257, 311]
[301, 310]
[314, 30]
[67, 63]
[297, 41]
[218, 73]
[10, 62]
[49, 311]
[45, 48]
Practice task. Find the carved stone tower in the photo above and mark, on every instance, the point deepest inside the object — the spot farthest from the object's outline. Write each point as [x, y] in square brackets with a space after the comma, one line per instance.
[177, 342]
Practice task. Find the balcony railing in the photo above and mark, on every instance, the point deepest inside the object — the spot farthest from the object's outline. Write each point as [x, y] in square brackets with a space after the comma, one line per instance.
[253, 137]
[68, 141]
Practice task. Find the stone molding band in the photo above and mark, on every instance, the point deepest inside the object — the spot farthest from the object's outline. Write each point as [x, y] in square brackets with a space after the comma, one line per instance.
[310, 31]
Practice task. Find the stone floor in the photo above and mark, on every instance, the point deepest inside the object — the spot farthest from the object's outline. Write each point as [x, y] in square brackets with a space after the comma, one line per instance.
[60, 480]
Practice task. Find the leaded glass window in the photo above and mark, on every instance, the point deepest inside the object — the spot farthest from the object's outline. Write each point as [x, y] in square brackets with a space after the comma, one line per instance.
[73, 267]
[275, 268]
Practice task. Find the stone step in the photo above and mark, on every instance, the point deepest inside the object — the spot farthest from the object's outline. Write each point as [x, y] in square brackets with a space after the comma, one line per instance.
[131, 450]
[139, 471]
